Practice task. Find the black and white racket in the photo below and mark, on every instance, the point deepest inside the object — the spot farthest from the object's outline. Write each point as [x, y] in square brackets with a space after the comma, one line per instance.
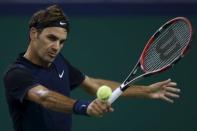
[169, 43]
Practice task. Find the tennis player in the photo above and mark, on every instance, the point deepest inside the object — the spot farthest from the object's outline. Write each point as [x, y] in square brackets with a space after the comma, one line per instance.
[39, 82]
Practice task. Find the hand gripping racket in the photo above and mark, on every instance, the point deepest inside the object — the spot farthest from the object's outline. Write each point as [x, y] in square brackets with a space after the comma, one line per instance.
[168, 45]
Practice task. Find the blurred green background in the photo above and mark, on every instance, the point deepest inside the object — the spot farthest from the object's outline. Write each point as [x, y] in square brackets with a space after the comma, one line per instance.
[108, 47]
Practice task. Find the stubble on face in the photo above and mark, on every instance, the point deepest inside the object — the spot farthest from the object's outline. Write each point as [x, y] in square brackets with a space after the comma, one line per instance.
[48, 44]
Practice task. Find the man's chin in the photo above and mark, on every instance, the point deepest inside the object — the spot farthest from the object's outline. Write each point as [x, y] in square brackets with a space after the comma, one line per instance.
[49, 60]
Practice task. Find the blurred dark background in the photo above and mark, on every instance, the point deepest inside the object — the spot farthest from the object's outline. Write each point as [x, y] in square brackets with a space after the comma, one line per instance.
[106, 39]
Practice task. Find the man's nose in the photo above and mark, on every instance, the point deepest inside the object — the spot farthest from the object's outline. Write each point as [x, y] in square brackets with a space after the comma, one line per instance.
[56, 46]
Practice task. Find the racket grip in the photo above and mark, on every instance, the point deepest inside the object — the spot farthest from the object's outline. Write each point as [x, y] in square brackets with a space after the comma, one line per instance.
[115, 94]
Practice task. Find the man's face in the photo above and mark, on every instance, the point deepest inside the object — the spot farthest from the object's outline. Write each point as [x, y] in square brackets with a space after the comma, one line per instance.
[49, 43]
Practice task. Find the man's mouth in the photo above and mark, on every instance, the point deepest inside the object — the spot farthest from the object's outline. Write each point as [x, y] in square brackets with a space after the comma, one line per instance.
[53, 55]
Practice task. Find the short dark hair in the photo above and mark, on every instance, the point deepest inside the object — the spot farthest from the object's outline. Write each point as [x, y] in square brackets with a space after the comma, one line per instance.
[47, 16]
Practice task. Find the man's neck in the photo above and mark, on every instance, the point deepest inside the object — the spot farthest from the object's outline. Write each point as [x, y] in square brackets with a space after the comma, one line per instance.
[35, 59]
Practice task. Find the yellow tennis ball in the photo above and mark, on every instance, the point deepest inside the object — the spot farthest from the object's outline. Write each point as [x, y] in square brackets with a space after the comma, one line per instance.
[104, 92]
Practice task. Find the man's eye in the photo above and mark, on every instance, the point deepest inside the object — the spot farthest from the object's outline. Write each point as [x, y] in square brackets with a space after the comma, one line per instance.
[52, 38]
[62, 41]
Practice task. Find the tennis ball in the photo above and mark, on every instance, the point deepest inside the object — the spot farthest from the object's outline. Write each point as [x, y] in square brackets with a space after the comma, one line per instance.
[104, 92]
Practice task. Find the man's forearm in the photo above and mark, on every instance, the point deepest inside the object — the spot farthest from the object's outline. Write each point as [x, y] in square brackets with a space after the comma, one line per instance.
[58, 102]
[93, 84]
[51, 100]
[134, 91]
[137, 91]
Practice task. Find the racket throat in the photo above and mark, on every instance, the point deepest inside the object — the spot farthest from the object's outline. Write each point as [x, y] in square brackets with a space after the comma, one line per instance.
[123, 89]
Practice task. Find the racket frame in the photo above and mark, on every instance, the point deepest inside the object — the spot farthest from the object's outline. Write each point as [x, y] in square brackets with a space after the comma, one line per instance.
[156, 34]
[128, 81]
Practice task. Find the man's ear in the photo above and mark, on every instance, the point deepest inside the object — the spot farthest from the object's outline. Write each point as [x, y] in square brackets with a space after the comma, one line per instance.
[33, 33]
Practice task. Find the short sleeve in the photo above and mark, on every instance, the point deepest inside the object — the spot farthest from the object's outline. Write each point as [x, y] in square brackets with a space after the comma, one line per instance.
[75, 76]
[17, 82]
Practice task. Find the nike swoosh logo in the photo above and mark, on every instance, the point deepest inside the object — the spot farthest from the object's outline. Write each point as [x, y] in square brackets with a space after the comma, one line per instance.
[83, 105]
[61, 75]
[62, 23]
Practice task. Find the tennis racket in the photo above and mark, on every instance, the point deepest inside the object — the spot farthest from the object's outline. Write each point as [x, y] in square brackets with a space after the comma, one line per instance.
[167, 45]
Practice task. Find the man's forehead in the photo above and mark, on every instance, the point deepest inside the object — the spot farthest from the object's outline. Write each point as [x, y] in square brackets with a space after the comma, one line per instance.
[55, 31]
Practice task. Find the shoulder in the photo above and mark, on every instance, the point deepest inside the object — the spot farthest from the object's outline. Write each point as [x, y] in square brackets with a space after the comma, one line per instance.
[15, 71]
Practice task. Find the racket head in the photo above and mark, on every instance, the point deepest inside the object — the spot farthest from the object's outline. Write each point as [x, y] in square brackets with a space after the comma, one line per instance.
[167, 45]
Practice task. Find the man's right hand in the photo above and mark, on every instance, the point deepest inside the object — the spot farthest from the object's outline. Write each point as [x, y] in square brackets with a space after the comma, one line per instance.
[97, 108]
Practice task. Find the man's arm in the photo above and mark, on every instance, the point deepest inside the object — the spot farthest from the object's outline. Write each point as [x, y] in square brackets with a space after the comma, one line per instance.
[91, 85]
[57, 102]
[21, 85]
[50, 99]
[164, 90]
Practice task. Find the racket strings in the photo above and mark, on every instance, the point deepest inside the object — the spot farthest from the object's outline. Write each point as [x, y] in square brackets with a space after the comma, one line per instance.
[158, 63]
[167, 46]
[162, 39]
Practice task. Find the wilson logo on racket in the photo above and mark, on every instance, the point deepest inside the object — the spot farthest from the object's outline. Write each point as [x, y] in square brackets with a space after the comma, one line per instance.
[168, 46]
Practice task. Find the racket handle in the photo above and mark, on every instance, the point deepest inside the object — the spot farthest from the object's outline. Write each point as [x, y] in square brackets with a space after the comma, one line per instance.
[115, 94]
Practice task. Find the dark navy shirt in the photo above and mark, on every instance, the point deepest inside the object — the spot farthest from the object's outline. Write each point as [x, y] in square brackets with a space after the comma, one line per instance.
[23, 75]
